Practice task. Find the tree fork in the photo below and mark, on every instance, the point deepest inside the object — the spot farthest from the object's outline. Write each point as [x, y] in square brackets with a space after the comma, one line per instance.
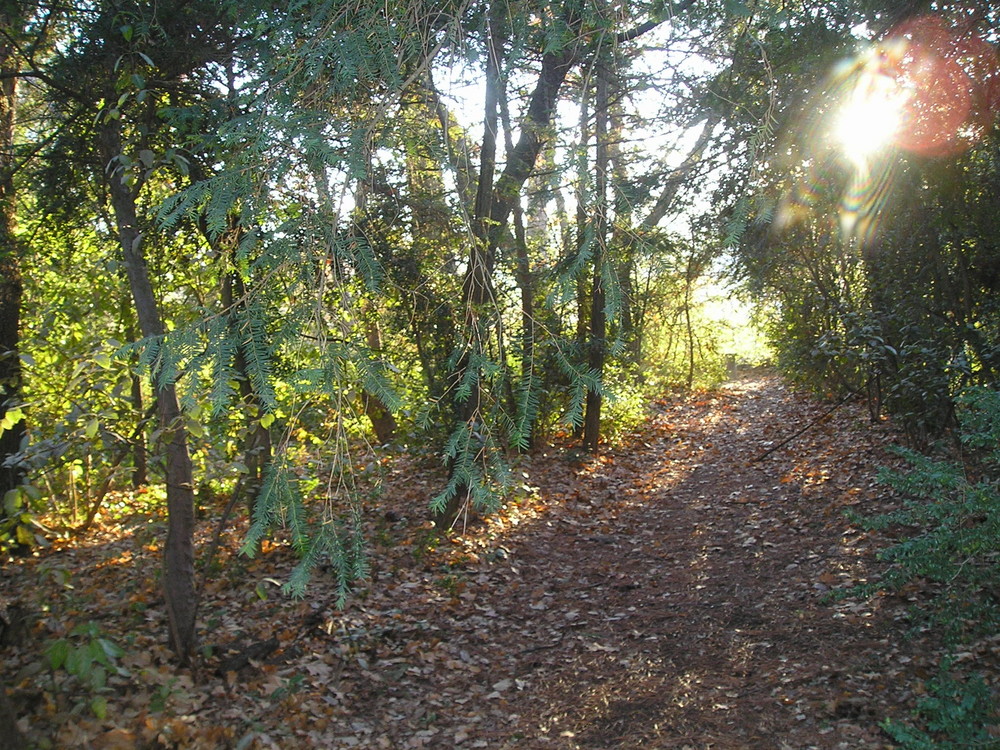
[493, 210]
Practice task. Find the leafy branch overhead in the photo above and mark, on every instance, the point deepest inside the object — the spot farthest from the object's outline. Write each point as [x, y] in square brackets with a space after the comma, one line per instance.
[282, 287]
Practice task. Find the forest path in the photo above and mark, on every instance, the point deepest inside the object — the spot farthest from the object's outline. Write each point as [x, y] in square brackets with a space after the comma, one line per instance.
[670, 593]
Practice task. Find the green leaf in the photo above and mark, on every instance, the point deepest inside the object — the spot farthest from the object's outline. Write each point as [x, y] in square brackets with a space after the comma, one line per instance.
[99, 705]
[57, 653]
[99, 678]
[127, 32]
[11, 501]
[103, 360]
[24, 536]
[91, 430]
[195, 428]
[267, 420]
[110, 649]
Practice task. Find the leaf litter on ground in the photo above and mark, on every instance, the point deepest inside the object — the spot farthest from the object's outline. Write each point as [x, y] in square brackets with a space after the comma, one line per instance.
[672, 592]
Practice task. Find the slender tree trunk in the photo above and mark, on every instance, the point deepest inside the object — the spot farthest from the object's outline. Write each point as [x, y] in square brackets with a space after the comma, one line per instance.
[583, 199]
[494, 204]
[257, 443]
[382, 420]
[598, 315]
[690, 274]
[140, 475]
[140, 470]
[178, 555]
[11, 289]
[633, 318]
[477, 289]
[525, 282]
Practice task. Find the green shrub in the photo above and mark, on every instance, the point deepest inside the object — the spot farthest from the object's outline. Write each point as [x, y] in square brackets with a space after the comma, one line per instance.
[951, 512]
[954, 715]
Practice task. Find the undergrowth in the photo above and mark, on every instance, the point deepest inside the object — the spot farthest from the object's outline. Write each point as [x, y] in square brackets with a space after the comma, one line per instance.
[951, 518]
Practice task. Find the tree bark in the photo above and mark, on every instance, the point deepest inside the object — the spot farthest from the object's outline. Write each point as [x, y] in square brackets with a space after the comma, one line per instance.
[382, 420]
[494, 204]
[477, 287]
[11, 289]
[178, 554]
[597, 343]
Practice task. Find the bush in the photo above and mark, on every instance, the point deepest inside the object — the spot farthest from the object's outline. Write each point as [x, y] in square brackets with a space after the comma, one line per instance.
[952, 513]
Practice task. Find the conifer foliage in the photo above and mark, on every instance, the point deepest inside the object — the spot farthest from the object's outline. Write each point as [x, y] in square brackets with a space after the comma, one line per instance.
[250, 250]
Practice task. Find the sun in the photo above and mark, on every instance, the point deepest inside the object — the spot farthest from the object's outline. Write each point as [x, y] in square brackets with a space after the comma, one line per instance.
[870, 117]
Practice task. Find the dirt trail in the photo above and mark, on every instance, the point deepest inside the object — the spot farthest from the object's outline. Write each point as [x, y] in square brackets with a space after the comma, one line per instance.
[672, 594]
[667, 595]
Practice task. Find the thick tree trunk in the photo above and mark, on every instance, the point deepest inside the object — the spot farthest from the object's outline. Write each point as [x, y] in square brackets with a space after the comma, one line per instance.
[178, 554]
[10, 271]
[598, 315]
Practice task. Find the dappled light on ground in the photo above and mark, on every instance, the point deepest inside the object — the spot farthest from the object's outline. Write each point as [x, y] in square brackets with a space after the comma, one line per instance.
[670, 593]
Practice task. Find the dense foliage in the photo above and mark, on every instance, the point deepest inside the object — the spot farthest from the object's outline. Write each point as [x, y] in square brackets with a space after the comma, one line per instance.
[258, 249]
[250, 249]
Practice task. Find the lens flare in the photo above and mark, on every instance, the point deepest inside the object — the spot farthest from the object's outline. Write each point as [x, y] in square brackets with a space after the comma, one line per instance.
[934, 85]
[930, 89]
[871, 117]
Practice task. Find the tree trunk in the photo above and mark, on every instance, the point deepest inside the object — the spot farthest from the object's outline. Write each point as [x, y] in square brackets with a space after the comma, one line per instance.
[690, 274]
[525, 282]
[178, 555]
[10, 272]
[494, 204]
[383, 422]
[140, 473]
[140, 476]
[257, 443]
[477, 288]
[598, 314]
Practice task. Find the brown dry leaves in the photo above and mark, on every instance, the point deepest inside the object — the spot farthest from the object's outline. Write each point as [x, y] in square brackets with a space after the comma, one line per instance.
[667, 594]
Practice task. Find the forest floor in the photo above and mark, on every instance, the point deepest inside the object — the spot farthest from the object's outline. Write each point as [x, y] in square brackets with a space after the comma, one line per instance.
[674, 592]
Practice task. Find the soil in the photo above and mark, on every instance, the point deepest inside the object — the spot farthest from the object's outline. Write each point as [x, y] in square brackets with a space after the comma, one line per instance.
[690, 588]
